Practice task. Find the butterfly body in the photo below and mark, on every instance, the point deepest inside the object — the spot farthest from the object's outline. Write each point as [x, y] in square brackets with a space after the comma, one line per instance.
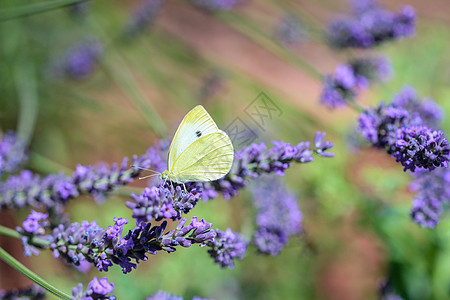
[199, 151]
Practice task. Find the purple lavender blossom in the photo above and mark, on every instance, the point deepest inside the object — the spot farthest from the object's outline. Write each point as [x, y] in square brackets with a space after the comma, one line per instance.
[86, 241]
[226, 247]
[339, 88]
[81, 59]
[35, 223]
[278, 216]
[403, 135]
[164, 202]
[57, 189]
[35, 292]
[12, 153]
[161, 295]
[96, 290]
[428, 111]
[290, 31]
[432, 193]
[252, 161]
[369, 26]
[80, 9]
[214, 5]
[142, 16]
[421, 147]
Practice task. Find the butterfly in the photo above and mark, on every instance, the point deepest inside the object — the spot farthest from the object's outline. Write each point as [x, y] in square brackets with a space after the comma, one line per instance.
[199, 151]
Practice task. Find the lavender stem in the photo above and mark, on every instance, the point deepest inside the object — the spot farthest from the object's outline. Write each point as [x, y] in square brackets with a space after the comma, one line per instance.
[6, 257]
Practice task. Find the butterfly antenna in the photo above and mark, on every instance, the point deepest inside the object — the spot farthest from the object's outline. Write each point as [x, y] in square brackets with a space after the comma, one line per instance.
[140, 178]
[150, 170]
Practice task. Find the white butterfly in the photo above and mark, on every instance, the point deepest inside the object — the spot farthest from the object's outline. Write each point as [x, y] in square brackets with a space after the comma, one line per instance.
[200, 151]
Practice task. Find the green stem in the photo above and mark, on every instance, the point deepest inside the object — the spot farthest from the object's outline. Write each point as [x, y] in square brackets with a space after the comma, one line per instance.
[5, 256]
[14, 234]
[28, 10]
[358, 108]
[25, 79]
[118, 69]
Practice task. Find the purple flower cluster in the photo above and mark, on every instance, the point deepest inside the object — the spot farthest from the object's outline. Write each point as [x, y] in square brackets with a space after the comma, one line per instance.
[226, 247]
[164, 202]
[56, 189]
[290, 31]
[369, 25]
[81, 59]
[12, 153]
[104, 248]
[433, 192]
[339, 88]
[347, 81]
[403, 135]
[421, 147]
[254, 160]
[161, 295]
[214, 5]
[142, 16]
[35, 292]
[278, 215]
[35, 223]
[96, 290]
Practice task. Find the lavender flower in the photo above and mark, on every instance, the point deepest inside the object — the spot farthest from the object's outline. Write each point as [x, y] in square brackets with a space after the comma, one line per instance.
[79, 9]
[278, 216]
[165, 202]
[35, 223]
[403, 135]
[428, 111]
[226, 247]
[339, 88]
[12, 153]
[214, 5]
[369, 26]
[433, 192]
[81, 59]
[252, 161]
[96, 290]
[57, 189]
[142, 16]
[421, 147]
[161, 295]
[105, 248]
[35, 292]
[290, 32]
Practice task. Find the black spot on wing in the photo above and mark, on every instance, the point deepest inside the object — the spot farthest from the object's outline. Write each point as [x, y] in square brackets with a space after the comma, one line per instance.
[198, 133]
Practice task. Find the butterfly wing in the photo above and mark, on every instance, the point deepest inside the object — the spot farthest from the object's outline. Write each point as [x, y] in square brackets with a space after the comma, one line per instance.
[208, 158]
[195, 125]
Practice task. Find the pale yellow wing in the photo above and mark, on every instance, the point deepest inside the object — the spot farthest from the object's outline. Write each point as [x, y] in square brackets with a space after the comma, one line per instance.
[208, 158]
[196, 124]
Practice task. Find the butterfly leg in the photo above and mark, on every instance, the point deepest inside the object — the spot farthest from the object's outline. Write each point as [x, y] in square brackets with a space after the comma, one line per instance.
[185, 188]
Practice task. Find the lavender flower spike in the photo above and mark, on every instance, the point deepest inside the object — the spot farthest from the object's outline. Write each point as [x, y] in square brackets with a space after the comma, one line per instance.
[96, 290]
[369, 26]
[142, 16]
[34, 292]
[339, 88]
[226, 247]
[89, 242]
[81, 59]
[56, 189]
[432, 193]
[278, 216]
[12, 153]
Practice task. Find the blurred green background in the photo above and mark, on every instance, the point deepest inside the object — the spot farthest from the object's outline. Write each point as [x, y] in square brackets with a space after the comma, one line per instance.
[357, 228]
